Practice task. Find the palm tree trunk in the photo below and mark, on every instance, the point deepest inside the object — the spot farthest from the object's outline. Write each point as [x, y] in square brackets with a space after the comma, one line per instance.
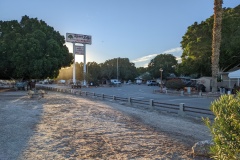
[216, 42]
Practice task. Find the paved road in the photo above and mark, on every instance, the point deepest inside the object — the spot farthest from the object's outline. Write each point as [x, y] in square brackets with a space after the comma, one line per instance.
[146, 92]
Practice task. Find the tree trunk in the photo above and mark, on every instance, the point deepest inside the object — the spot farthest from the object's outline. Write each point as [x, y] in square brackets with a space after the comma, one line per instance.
[216, 42]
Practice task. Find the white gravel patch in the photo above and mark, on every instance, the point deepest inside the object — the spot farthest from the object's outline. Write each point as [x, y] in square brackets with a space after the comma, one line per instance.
[62, 126]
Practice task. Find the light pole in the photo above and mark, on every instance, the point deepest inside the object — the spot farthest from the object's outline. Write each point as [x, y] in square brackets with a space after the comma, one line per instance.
[161, 70]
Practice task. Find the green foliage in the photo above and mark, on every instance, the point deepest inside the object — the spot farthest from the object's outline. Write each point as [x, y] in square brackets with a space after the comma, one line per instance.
[197, 44]
[30, 49]
[93, 72]
[164, 61]
[96, 72]
[141, 70]
[126, 69]
[175, 84]
[225, 128]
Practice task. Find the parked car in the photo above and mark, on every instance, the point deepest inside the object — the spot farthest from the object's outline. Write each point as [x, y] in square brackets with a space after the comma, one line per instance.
[62, 81]
[138, 81]
[129, 82]
[152, 83]
[115, 81]
[21, 85]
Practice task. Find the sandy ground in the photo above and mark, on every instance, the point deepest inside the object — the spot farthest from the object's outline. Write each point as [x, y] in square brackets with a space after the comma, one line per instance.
[62, 126]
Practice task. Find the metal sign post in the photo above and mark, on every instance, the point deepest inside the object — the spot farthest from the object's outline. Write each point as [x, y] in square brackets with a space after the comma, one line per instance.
[84, 67]
[83, 39]
[74, 66]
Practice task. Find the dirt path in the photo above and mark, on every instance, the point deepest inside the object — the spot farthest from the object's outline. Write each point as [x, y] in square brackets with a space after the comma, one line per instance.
[69, 127]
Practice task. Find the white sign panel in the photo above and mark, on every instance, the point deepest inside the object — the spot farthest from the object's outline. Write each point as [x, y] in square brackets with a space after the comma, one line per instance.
[79, 50]
[78, 38]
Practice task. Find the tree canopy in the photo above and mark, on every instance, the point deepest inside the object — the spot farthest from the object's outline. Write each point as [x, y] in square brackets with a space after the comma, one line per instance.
[197, 41]
[126, 70]
[103, 71]
[31, 49]
[164, 61]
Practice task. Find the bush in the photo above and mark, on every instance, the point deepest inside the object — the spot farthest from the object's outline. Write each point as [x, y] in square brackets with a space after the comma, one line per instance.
[175, 84]
[225, 128]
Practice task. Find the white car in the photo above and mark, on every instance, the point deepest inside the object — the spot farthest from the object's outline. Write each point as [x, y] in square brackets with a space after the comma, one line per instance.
[115, 81]
[152, 83]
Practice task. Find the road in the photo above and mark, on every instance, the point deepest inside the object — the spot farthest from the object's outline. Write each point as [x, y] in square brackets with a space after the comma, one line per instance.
[147, 92]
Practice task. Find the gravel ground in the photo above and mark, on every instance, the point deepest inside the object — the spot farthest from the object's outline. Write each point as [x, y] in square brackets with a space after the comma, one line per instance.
[62, 126]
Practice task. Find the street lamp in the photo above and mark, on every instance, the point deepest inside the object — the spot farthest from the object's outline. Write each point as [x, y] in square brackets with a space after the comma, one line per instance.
[161, 70]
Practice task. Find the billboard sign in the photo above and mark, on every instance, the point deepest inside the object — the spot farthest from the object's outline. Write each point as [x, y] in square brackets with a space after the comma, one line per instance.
[79, 50]
[78, 38]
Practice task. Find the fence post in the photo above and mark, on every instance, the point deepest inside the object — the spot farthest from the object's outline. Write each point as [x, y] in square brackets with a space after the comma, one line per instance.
[182, 93]
[129, 100]
[102, 96]
[114, 98]
[181, 109]
[151, 104]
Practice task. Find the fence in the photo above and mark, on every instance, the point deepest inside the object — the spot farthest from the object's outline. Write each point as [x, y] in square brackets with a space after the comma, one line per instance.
[180, 109]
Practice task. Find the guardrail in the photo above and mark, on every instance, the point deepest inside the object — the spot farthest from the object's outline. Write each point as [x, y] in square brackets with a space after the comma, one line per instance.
[180, 109]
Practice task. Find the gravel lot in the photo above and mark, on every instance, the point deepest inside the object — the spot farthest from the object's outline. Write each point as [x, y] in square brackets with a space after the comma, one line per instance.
[62, 126]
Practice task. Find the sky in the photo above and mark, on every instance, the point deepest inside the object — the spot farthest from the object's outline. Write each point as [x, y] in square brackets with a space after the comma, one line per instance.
[134, 29]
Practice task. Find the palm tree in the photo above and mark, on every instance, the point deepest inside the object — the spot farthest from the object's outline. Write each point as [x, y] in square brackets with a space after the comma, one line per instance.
[216, 42]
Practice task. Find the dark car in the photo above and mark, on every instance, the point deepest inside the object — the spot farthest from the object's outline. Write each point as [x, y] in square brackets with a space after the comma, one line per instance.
[200, 87]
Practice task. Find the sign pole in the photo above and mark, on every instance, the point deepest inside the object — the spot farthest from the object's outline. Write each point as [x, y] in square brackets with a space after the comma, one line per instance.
[84, 67]
[83, 39]
[74, 70]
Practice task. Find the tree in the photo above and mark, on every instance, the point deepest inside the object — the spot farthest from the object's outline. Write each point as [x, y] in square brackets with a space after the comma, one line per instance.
[107, 69]
[216, 42]
[141, 70]
[65, 73]
[93, 72]
[164, 61]
[126, 70]
[30, 49]
[197, 44]
[230, 33]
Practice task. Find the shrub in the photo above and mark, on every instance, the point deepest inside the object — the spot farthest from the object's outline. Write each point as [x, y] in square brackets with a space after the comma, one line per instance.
[175, 84]
[225, 128]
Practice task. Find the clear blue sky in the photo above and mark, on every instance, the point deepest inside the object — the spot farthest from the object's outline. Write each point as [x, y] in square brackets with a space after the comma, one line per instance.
[134, 29]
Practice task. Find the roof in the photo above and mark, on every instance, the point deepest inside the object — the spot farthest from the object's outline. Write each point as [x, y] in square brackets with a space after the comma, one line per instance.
[235, 74]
